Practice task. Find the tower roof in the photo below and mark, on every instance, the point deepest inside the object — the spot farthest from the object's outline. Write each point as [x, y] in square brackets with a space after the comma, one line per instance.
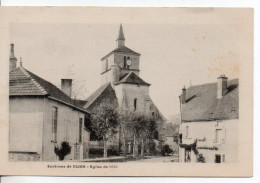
[121, 33]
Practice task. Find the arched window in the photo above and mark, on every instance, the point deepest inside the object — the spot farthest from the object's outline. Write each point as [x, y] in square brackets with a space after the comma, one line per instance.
[135, 104]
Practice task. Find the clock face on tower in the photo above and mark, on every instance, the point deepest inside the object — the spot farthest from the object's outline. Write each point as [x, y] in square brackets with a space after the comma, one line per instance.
[129, 62]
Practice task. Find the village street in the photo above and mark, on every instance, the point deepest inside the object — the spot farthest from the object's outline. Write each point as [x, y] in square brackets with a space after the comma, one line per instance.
[158, 159]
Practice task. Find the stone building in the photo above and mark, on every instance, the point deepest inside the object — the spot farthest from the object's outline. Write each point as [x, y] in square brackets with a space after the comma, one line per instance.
[210, 122]
[120, 82]
[41, 116]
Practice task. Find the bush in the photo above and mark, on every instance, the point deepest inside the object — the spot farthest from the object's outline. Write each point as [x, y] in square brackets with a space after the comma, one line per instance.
[166, 150]
[63, 150]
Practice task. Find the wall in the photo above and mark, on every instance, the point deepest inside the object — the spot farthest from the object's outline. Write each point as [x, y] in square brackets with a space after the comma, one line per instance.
[126, 93]
[119, 60]
[25, 124]
[205, 133]
[67, 130]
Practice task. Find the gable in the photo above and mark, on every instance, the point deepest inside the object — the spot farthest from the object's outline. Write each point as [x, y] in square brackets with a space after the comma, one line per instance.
[105, 93]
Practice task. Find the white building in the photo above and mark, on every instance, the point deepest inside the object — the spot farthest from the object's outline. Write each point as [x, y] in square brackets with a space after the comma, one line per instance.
[41, 116]
[209, 122]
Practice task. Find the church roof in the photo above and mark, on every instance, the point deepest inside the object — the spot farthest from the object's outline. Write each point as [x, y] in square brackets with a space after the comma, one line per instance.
[95, 95]
[202, 103]
[122, 49]
[132, 78]
[24, 83]
[121, 33]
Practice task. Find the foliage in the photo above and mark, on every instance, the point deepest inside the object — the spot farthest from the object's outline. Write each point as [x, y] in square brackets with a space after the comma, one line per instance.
[63, 150]
[166, 150]
[104, 120]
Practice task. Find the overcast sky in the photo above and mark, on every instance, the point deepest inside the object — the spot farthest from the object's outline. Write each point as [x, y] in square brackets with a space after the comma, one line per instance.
[172, 55]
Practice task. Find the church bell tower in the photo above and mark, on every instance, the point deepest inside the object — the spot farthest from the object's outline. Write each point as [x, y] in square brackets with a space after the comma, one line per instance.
[119, 62]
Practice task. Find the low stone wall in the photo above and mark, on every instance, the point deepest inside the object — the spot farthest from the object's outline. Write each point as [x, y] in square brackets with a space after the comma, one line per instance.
[24, 156]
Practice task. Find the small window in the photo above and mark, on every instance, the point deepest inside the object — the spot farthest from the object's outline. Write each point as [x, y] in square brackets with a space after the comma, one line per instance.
[218, 136]
[80, 130]
[135, 104]
[217, 158]
[54, 123]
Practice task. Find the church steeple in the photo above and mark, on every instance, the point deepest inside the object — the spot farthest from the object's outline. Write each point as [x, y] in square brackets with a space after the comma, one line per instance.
[121, 38]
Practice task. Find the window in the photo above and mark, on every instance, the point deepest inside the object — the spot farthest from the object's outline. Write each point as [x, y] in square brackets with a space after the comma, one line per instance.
[187, 131]
[124, 61]
[218, 137]
[217, 158]
[128, 58]
[54, 123]
[135, 104]
[80, 130]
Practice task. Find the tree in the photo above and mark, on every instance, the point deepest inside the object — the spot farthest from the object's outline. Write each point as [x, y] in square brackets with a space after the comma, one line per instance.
[104, 122]
[142, 127]
[124, 118]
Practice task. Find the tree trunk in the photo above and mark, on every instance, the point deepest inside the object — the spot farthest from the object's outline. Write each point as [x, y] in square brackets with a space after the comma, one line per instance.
[105, 146]
[134, 147]
[124, 145]
[142, 148]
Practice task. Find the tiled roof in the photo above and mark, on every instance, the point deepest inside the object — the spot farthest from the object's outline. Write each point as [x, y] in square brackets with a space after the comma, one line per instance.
[24, 83]
[95, 95]
[122, 49]
[132, 78]
[202, 103]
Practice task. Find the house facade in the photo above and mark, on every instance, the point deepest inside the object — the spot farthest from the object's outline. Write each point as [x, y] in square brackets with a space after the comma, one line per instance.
[209, 122]
[122, 85]
[41, 116]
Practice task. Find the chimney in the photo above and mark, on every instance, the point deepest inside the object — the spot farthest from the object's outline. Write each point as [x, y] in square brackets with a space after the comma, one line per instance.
[12, 59]
[183, 95]
[66, 86]
[222, 86]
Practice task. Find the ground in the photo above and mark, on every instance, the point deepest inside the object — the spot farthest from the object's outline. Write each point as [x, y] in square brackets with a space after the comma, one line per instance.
[155, 159]
[159, 159]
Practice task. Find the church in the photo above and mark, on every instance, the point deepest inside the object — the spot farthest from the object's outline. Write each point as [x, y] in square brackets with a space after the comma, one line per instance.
[120, 82]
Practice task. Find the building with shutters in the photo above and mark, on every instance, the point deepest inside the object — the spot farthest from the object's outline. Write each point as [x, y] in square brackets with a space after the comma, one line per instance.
[210, 122]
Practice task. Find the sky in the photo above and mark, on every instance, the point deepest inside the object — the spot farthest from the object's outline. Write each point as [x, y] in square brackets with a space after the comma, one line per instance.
[172, 55]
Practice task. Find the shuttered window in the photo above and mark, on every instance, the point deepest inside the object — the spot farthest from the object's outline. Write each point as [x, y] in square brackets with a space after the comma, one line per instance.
[54, 123]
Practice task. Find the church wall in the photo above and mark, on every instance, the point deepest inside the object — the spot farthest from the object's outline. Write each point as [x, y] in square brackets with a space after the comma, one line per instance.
[110, 61]
[119, 60]
[126, 93]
